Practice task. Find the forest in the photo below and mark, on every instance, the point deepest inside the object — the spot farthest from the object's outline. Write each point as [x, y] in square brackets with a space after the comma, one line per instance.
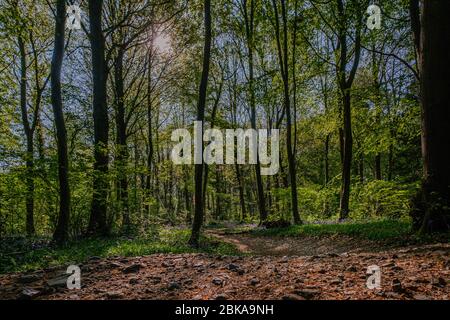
[342, 104]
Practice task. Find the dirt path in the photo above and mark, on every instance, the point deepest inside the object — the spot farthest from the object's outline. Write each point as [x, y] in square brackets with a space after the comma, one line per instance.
[295, 246]
[421, 272]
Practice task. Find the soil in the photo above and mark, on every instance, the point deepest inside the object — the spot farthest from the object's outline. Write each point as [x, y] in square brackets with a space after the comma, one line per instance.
[296, 246]
[271, 268]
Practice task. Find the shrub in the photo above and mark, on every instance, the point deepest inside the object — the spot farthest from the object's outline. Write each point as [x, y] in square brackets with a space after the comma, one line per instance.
[315, 203]
[381, 198]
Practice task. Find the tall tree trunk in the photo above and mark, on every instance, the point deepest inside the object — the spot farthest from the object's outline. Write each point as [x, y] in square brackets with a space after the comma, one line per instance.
[347, 156]
[345, 84]
[290, 144]
[61, 233]
[284, 67]
[149, 123]
[213, 117]
[198, 198]
[431, 207]
[97, 221]
[326, 149]
[249, 31]
[156, 178]
[378, 108]
[29, 157]
[121, 141]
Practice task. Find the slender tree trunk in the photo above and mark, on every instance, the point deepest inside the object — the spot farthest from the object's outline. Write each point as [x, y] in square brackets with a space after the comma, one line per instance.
[61, 233]
[29, 157]
[98, 218]
[199, 205]
[294, 72]
[148, 190]
[213, 117]
[249, 31]
[241, 192]
[156, 179]
[378, 108]
[284, 67]
[347, 156]
[30, 185]
[290, 151]
[345, 84]
[121, 140]
[326, 159]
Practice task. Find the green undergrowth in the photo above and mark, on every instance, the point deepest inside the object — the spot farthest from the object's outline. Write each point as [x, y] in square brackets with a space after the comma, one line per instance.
[21, 254]
[376, 230]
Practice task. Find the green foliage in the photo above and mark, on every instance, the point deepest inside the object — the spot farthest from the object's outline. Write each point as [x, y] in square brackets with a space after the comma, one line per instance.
[374, 199]
[314, 203]
[373, 230]
[20, 254]
[320, 203]
[381, 231]
[381, 198]
[385, 117]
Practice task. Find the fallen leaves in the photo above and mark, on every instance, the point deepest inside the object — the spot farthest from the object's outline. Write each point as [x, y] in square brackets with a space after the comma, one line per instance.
[407, 273]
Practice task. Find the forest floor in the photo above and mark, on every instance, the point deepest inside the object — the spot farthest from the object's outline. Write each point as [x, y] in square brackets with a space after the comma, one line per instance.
[293, 246]
[268, 266]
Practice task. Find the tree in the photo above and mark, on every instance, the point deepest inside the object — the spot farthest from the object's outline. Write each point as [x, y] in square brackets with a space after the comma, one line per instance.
[249, 20]
[345, 85]
[62, 229]
[29, 133]
[99, 206]
[431, 206]
[198, 172]
[122, 41]
[284, 70]
[21, 28]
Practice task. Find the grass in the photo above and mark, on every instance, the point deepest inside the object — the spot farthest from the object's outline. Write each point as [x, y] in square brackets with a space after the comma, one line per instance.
[232, 227]
[376, 230]
[20, 254]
